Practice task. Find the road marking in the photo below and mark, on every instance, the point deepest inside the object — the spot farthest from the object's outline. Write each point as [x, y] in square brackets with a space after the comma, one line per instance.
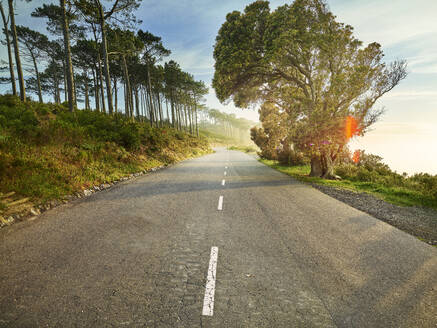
[226, 167]
[220, 203]
[208, 301]
[225, 172]
[223, 182]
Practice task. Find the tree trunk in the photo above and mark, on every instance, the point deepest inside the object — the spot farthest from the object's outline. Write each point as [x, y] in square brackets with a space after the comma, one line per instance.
[322, 166]
[166, 107]
[57, 92]
[8, 43]
[126, 106]
[102, 89]
[131, 99]
[316, 166]
[67, 49]
[128, 87]
[96, 88]
[37, 78]
[172, 109]
[161, 114]
[105, 58]
[137, 103]
[87, 99]
[328, 167]
[197, 126]
[64, 67]
[115, 95]
[17, 51]
[150, 94]
[74, 91]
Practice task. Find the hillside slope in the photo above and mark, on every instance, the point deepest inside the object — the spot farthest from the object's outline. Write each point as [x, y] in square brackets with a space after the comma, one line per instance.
[47, 152]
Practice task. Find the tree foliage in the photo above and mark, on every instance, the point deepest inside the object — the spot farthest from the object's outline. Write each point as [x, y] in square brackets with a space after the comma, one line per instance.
[301, 63]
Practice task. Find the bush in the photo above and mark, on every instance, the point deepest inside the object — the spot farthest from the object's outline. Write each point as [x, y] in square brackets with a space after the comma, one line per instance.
[129, 137]
[291, 157]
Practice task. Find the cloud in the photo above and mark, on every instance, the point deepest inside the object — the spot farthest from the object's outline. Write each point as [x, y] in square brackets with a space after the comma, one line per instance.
[388, 22]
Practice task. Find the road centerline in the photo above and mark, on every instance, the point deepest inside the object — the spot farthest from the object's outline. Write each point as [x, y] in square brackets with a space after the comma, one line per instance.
[220, 203]
[223, 182]
[208, 301]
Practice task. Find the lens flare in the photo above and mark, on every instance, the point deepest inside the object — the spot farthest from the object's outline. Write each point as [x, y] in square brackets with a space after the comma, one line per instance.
[351, 127]
[356, 156]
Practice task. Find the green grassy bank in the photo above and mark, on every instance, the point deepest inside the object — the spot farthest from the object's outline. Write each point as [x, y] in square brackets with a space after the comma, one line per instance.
[47, 152]
[418, 190]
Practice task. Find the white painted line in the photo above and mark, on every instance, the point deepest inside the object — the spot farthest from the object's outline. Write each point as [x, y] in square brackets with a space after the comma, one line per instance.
[220, 203]
[208, 301]
[223, 182]
[225, 172]
[226, 167]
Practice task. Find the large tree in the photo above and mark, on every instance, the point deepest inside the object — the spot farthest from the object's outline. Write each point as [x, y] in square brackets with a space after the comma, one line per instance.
[17, 50]
[35, 44]
[308, 65]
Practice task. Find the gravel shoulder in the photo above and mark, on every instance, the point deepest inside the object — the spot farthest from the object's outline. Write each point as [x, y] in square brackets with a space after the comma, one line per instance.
[418, 221]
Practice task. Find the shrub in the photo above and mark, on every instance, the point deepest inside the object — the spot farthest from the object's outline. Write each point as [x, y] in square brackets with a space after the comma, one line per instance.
[291, 157]
[129, 136]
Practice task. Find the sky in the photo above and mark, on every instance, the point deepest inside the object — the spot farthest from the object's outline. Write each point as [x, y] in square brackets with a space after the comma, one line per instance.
[405, 136]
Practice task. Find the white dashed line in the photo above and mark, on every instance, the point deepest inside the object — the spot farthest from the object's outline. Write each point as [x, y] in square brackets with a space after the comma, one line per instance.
[220, 203]
[208, 301]
[226, 167]
[225, 172]
[223, 182]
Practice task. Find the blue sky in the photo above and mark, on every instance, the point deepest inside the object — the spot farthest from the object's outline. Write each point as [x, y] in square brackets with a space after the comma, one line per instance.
[407, 133]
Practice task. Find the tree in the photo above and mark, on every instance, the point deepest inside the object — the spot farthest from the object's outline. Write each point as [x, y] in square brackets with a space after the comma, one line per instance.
[67, 51]
[310, 66]
[125, 44]
[17, 51]
[34, 43]
[84, 54]
[61, 23]
[94, 9]
[8, 44]
[153, 51]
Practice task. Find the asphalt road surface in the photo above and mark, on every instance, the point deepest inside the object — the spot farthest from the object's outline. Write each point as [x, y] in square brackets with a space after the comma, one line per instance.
[193, 246]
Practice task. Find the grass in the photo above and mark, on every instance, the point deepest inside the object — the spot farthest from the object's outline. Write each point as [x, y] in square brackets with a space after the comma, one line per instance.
[393, 194]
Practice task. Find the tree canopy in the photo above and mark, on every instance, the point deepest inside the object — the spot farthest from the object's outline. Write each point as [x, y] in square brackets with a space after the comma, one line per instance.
[300, 61]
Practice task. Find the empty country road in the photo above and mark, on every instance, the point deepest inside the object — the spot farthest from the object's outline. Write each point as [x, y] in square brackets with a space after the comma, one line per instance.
[217, 241]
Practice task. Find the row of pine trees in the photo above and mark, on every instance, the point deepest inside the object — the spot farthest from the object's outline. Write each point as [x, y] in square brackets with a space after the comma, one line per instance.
[95, 55]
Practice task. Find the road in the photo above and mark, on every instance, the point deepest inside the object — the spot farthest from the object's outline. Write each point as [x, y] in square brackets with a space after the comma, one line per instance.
[164, 251]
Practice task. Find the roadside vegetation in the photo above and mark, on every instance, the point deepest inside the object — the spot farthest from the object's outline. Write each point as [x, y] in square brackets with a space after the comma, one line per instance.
[47, 152]
[372, 176]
